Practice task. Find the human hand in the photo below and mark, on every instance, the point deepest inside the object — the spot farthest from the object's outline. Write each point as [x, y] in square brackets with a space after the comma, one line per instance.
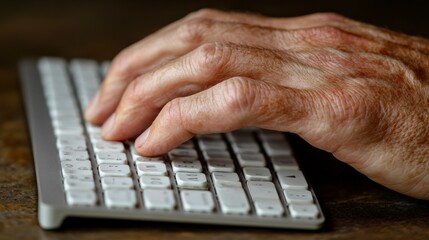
[352, 89]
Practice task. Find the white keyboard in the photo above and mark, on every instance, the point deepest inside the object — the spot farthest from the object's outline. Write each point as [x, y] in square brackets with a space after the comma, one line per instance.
[248, 177]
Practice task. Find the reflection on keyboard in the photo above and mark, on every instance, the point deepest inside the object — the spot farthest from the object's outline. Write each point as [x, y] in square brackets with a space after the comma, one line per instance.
[247, 177]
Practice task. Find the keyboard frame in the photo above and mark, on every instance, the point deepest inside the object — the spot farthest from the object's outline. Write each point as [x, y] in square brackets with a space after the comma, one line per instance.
[52, 205]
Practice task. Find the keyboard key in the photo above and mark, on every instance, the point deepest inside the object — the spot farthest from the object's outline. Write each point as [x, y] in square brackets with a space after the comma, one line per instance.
[260, 190]
[71, 145]
[111, 157]
[265, 198]
[216, 155]
[197, 201]
[186, 154]
[303, 211]
[108, 146]
[151, 168]
[232, 200]
[116, 182]
[208, 144]
[286, 162]
[269, 208]
[292, 179]
[277, 148]
[240, 136]
[81, 198]
[251, 160]
[120, 198]
[181, 165]
[257, 173]
[245, 147]
[67, 155]
[298, 196]
[159, 199]
[225, 177]
[79, 182]
[268, 135]
[220, 166]
[155, 182]
[114, 170]
[76, 168]
[191, 180]
[227, 184]
[148, 159]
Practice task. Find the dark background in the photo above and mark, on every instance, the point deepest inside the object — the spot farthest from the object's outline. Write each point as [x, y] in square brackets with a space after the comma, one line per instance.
[355, 207]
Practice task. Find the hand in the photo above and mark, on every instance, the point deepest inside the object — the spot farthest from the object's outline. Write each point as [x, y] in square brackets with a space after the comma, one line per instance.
[355, 90]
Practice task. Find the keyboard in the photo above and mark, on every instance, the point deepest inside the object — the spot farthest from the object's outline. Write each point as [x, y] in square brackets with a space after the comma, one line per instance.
[247, 177]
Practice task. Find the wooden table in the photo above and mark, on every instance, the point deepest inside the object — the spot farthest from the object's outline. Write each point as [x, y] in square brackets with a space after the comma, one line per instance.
[355, 207]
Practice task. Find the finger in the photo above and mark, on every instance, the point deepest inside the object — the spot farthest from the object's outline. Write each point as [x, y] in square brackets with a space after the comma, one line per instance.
[232, 104]
[142, 56]
[202, 68]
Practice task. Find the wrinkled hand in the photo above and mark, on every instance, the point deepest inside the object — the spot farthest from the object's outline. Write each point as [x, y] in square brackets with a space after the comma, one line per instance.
[355, 90]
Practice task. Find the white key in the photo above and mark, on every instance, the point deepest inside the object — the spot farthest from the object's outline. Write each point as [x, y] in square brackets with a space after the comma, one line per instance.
[116, 182]
[81, 198]
[292, 179]
[197, 201]
[58, 122]
[227, 184]
[181, 165]
[111, 157]
[71, 145]
[206, 144]
[303, 211]
[245, 147]
[220, 166]
[95, 137]
[262, 191]
[155, 182]
[159, 199]
[277, 148]
[151, 168]
[191, 180]
[149, 159]
[187, 154]
[216, 155]
[76, 168]
[251, 160]
[265, 198]
[93, 128]
[79, 182]
[226, 177]
[232, 200]
[120, 198]
[72, 129]
[66, 155]
[284, 163]
[298, 196]
[71, 137]
[269, 208]
[257, 173]
[114, 170]
[108, 146]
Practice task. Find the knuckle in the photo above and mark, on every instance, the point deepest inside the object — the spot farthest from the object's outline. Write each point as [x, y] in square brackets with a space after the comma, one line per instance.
[238, 95]
[192, 31]
[172, 112]
[212, 58]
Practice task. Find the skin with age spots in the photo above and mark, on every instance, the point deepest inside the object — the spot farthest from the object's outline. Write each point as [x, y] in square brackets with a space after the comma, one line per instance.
[356, 90]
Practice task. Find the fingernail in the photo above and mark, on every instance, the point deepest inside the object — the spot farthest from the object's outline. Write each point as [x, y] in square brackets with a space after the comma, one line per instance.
[90, 108]
[141, 140]
[108, 126]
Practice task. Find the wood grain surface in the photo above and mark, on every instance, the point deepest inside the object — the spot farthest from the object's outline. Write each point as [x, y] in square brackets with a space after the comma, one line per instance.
[355, 207]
